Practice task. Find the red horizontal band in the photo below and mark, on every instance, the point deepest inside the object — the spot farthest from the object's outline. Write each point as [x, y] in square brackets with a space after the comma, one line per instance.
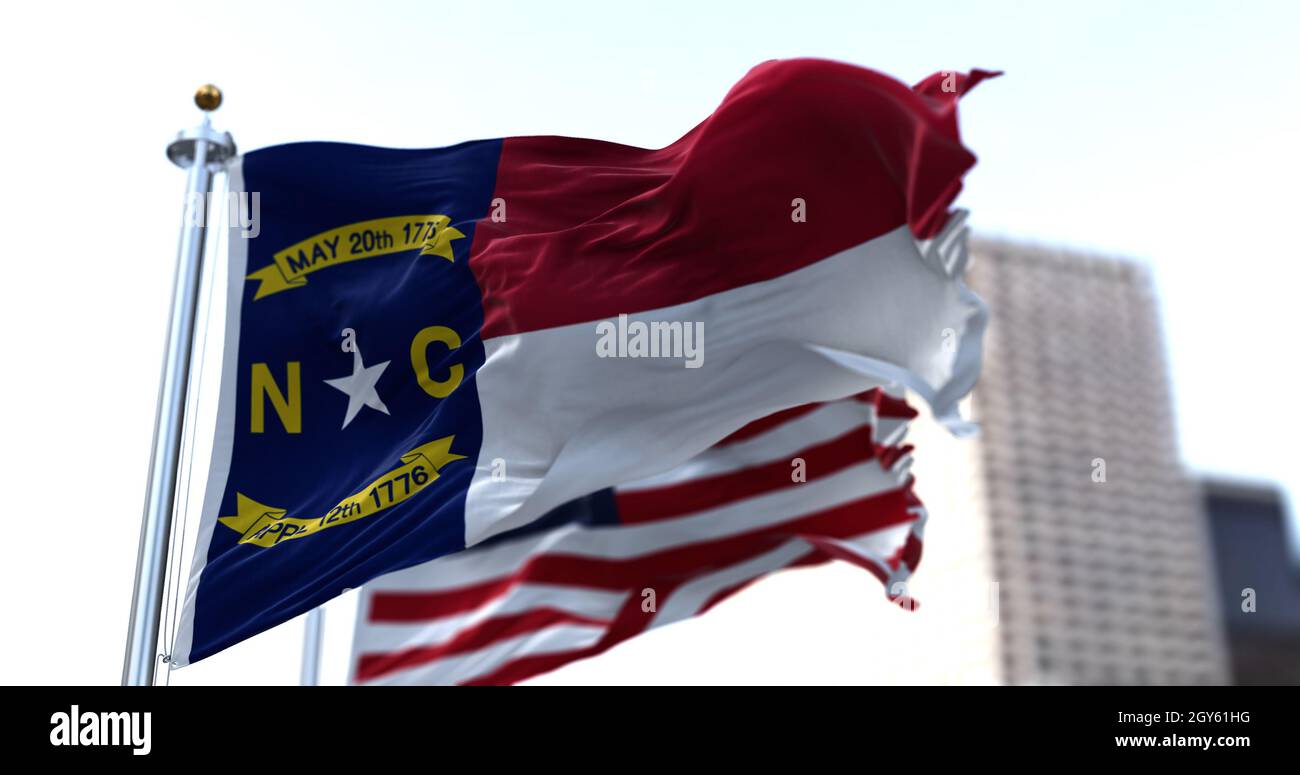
[593, 229]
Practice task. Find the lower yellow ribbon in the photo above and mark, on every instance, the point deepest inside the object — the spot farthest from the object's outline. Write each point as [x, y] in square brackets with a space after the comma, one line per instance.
[266, 526]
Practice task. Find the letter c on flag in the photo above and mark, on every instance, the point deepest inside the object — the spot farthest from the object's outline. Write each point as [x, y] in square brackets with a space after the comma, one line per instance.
[420, 361]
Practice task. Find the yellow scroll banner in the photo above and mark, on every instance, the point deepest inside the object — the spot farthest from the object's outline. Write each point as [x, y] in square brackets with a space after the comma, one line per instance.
[266, 526]
[289, 268]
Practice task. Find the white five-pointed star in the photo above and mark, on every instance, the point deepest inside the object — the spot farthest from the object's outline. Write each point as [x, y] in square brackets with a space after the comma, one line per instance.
[360, 386]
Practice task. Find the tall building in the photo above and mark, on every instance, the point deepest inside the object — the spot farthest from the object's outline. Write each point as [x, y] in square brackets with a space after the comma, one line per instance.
[1071, 515]
[1259, 582]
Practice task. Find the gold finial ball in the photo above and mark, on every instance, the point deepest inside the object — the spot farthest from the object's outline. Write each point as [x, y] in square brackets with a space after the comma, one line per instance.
[208, 97]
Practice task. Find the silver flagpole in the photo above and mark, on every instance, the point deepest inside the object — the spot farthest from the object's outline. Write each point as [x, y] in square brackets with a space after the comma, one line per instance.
[203, 151]
[311, 645]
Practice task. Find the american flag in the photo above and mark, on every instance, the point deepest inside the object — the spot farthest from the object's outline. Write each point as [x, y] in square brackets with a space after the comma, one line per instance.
[619, 562]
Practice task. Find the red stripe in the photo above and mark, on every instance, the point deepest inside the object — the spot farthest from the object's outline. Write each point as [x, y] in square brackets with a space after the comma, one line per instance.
[372, 666]
[833, 549]
[890, 455]
[399, 607]
[886, 406]
[910, 554]
[770, 422]
[637, 506]
[594, 229]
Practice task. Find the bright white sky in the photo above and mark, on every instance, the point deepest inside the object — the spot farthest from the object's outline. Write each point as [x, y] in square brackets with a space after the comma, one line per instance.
[1167, 131]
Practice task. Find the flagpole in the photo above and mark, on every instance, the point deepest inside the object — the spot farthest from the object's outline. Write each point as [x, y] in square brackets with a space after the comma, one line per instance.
[203, 152]
[311, 646]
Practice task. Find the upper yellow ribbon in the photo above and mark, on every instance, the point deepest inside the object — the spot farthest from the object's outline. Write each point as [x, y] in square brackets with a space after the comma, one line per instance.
[432, 234]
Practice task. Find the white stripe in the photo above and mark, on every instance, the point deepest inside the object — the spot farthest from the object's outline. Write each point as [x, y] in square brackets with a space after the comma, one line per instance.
[566, 422]
[780, 443]
[390, 636]
[891, 430]
[879, 544]
[627, 541]
[465, 667]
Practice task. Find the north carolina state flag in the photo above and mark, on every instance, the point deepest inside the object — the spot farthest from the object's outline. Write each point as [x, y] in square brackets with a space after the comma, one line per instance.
[429, 348]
